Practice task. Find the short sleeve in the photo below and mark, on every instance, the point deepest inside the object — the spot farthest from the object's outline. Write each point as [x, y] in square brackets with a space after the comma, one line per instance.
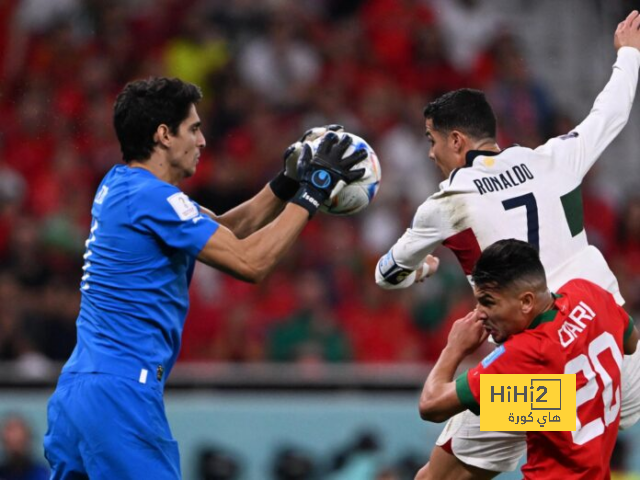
[173, 217]
[465, 395]
[519, 355]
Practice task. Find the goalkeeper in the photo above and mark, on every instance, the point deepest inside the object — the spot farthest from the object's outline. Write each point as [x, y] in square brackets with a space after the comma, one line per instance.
[106, 418]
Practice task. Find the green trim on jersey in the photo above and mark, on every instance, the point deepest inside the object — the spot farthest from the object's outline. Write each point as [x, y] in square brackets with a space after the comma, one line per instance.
[629, 330]
[573, 210]
[544, 317]
[464, 393]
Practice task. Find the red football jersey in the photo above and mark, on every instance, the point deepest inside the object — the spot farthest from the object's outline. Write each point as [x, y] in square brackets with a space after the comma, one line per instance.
[582, 334]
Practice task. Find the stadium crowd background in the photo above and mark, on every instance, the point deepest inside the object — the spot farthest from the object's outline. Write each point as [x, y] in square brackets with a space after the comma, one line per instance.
[269, 71]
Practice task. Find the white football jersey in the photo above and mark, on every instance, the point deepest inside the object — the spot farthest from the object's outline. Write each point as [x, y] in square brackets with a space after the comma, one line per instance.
[530, 195]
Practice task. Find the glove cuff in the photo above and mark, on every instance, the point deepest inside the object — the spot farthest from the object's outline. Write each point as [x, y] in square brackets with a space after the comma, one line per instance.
[284, 187]
[309, 198]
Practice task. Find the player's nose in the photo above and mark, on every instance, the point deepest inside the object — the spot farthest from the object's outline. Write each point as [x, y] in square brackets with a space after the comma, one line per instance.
[201, 142]
[480, 313]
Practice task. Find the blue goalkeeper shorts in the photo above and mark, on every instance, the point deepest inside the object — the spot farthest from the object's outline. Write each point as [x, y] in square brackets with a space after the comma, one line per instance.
[102, 426]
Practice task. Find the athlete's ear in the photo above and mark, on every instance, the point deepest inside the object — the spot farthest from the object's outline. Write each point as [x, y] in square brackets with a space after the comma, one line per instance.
[457, 141]
[162, 135]
[527, 302]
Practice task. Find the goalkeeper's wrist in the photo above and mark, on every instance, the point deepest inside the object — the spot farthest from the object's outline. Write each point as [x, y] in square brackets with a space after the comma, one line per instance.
[284, 187]
[309, 198]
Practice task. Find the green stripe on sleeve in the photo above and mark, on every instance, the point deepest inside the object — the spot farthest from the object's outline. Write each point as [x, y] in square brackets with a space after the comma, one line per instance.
[573, 211]
[464, 393]
[627, 333]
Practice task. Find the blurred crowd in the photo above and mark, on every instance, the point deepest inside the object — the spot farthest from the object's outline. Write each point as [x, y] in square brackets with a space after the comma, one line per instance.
[269, 70]
[361, 458]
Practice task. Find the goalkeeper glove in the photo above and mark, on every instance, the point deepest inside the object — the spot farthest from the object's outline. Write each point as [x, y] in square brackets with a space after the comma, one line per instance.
[286, 184]
[324, 174]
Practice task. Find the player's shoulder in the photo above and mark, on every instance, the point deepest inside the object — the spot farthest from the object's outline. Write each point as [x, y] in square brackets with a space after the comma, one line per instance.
[146, 189]
[559, 144]
[149, 194]
[580, 290]
[516, 352]
[580, 286]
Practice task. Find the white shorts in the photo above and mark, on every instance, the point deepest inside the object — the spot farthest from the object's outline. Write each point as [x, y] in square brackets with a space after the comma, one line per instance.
[630, 411]
[501, 451]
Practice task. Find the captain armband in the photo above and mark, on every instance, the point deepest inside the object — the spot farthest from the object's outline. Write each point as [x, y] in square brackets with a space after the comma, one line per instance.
[391, 272]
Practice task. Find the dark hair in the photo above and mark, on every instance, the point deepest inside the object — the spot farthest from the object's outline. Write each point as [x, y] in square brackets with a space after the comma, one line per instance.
[143, 105]
[466, 110]
[507, 263]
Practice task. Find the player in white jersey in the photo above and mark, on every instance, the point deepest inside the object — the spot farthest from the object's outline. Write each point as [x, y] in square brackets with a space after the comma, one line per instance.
[534, 195]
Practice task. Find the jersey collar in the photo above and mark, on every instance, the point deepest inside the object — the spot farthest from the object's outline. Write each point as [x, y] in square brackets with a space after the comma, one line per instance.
[472, 154]
[544, 317]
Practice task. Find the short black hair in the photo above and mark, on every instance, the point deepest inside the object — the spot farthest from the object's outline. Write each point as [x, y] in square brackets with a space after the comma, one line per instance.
[508, 263]
[143, 105]
[466, 110]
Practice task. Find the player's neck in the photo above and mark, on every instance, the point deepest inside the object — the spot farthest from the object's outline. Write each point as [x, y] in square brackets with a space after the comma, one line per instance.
[159, 167]
[486, 144]
[544, 303]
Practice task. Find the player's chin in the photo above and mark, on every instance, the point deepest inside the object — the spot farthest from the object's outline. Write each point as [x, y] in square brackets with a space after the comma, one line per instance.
[497, 336]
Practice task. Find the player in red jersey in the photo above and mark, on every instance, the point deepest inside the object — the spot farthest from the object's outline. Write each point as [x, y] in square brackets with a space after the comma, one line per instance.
[579, 329]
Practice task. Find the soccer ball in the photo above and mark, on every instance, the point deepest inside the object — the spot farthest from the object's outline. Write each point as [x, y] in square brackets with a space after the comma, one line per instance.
[359, 194]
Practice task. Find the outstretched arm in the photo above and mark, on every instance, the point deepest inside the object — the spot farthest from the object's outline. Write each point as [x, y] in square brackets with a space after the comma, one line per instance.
[252, 258]
[580, 148]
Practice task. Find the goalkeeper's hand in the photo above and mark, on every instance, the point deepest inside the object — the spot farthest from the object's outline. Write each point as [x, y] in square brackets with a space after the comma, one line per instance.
[293, 152]
[286, 184]
[324, 174]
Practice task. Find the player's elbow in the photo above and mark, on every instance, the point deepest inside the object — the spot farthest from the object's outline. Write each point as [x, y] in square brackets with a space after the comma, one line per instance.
[383, 284]
[256, 266]
[431, 411]
[256, 274]
[253, 279]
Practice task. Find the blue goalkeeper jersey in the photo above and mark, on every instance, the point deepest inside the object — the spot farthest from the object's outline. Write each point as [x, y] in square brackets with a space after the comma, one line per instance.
[139, 259]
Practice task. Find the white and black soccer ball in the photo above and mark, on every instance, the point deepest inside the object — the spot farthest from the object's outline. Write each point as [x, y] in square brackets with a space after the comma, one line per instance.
[356, 196]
